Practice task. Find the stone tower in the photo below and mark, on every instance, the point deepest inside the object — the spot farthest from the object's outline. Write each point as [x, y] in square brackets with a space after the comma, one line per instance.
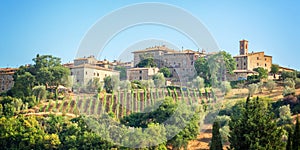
[243, 47]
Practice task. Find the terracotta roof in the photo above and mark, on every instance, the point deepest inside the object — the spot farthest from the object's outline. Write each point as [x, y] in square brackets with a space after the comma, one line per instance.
[244, 71]
[131, 69]
[93, 67]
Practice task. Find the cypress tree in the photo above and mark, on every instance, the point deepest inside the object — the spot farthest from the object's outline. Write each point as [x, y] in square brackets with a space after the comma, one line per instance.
[289, 142]
[216, 141]
[296, 136]
[253, 126]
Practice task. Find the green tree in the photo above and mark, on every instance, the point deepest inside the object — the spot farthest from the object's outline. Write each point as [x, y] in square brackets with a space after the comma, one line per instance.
[252, 88]
[198, 83]
[225, 87]
[285, 116]
[254, 127]
[159, 80]
[39, 92]
[230, 63]
[286, 74]
[201, 67]
[274, 70]
[146, 63]
[270, 85]
[94, 85]
[216, 141]
[296, 136]
[122, 70]
[262, 73]
[111, 83]
[165, 71]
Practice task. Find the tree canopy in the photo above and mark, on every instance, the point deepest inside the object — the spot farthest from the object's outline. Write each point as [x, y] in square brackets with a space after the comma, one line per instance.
[254, 127]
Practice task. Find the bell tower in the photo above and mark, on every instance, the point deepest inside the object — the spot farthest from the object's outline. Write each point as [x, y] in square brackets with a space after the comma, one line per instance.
[243, 47]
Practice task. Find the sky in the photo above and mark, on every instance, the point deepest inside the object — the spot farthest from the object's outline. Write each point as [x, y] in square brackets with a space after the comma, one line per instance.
[58, 27]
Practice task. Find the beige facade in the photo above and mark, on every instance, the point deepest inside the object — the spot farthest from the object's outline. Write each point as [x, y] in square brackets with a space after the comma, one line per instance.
[250, 61]
[246, 62]
[240, 75]
[155, 52]
[141, 73]
[6, 79]
[180, 63]
[86, 69]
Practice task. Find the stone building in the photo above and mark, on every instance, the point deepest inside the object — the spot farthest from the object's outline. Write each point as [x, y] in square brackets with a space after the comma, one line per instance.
[180, 63]
[141, 73]
[86, 69]
[250, 61]
[6, 79]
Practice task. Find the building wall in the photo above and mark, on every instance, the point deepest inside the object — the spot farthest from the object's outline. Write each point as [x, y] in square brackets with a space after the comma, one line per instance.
[88, 60]
[141, 73]
[253, 60]
[82, 75]
[6, 82]
[241, 62]
[259, 60]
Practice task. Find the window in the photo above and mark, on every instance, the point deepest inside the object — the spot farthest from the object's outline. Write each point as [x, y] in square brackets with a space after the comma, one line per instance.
[94, 74]
[140, 71]
[71, 73]
[257, 64]
[77, 80]
[257, 58]
[237, 65]
[265, 65]
[86, 73]
[140, 77]
[98, 74]
[244, 64]
[265, 59]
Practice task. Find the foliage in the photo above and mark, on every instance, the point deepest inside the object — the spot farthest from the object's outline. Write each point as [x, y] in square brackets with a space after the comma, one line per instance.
[297, 83]
[125, 85]
[289, 82]
[254, 127]
[285, 116]
[94, 85]
[296, 136]
[230, 63]
[165, 111]
[159, 80]
[225, 87]
[216, 141]
[252, 88]
[288, 91]
[198, 83]
[165, 71]
[111, 83]
[39, 92]
[274, 69]
[270, 85]
[122, 70]
[46, 71]
[201, 66]
[262, 73]
[147, 63]
[147, 84]
[286, 74]
[253, 79]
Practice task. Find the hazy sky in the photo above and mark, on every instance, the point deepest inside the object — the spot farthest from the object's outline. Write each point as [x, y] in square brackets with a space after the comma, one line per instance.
[57, 27]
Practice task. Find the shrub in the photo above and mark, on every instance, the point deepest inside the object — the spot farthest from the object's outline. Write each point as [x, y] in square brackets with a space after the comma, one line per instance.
[270, 85]
[252, 88]
[289, 82]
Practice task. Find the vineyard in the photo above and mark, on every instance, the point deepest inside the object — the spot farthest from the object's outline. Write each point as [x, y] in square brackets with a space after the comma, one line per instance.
[122, 103]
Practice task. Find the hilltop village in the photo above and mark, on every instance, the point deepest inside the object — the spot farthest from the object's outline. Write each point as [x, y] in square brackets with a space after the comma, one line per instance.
[161, 99]
[150, 61]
